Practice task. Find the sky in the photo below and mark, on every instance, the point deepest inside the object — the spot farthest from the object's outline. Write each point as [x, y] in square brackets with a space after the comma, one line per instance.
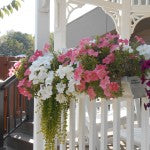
[24, 19]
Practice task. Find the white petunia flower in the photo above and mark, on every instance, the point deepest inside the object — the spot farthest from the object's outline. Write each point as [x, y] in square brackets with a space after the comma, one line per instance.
[44, 92]
[127, 48]
[144, 50]
[60, 87]
[50, 78]
[61, 72]
[61, 98]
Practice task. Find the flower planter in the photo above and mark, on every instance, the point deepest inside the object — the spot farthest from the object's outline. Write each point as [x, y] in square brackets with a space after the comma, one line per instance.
[132, 85]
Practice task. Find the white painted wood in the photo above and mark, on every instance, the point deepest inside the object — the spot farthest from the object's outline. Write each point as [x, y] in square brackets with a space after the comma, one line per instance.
[72, 126]
[145, 143]
[147, 2]
[125, 23]
[81, 128]
[37, 135]
[104, 110]
[139, 2]
[60, 25]
[138, 111]
[62, 145]
[130, 123]
[92, 128]
[42, 25]
[116, 124]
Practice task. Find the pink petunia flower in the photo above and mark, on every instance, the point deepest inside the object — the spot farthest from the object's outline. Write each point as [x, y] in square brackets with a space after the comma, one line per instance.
[91, 52]
[109, 59]
[17, 64]
[78, 72]
[84, 42]
[35, 56]
[27, 72]
[22, 82]
[105, 82]
[81, 87]
[114, 87]
[11, 72]
[101, 71]
[139, 39]
[91, 93]
[107, 93]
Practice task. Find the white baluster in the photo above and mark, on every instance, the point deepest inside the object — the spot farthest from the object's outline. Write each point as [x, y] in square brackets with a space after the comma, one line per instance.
[147, 2]
[92, 115]
[130, 123]
[104, 110]
[138, 111]
[139, 2]
[145, 142]
[62, 145]
[72, 126]
[116, 124]
[81, 118]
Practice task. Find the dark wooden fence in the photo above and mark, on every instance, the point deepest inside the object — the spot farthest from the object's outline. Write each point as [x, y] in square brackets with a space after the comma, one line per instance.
[12, 105]
[6, 63]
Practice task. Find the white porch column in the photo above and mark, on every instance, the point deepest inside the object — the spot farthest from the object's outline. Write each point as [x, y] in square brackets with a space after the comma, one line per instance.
[42, 33]
[42, 23]
[60, 25]
[125, 23]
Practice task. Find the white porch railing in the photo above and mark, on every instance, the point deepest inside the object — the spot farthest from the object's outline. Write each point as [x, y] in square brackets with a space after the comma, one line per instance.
[90, 122]
[141, 2]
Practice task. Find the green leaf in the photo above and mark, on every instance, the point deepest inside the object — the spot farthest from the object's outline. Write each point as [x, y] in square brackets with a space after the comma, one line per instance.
[10, 8]
[1, 14]
[17, 3]
[5, 10]
[14, 5]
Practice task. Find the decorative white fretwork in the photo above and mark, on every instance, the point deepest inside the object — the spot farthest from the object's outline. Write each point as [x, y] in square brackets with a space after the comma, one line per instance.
[115, 16]
[135, 19]
[72, 6]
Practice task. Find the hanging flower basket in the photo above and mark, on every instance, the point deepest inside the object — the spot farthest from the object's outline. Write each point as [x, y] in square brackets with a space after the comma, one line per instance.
[95, 67]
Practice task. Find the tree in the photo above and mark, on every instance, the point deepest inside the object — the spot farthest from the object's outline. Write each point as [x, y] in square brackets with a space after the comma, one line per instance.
[8, 9]
[16, 43]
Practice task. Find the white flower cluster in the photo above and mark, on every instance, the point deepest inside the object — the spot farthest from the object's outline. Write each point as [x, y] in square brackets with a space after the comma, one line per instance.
[41, 74]
[127, 48]
[65, 71]
[144, 50]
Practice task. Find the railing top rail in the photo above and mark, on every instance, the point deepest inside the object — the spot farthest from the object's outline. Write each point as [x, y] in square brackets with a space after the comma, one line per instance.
[7, 82]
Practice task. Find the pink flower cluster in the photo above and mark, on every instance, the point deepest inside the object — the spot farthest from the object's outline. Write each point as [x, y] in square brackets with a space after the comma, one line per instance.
[14, 68]
[23, 87]
[139, 40]
[35, 56]
[99, 74]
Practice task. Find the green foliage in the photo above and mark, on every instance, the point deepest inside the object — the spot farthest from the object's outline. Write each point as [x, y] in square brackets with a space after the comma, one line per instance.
[20, 72]
[16, 43]
[51, 121]
[125, 64]
[8, 9]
